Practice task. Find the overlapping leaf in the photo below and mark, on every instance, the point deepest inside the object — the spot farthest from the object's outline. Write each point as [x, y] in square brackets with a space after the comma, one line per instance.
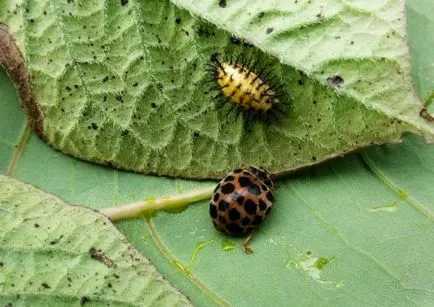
[124, 82]
[55, 254]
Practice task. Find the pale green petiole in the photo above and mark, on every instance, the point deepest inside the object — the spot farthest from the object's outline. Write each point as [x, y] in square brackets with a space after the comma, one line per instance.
[142, 208]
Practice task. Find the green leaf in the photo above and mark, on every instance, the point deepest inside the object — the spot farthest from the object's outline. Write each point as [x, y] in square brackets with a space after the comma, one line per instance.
[421, 21]
[354, 231]
[366, 219]
[55, 254]
[124, 83]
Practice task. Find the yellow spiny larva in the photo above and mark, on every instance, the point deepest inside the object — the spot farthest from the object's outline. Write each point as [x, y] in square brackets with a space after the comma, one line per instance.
[248, 90]
[244, 88]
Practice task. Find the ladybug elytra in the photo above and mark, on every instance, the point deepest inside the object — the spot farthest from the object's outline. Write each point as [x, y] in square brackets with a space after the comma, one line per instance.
[241, 201]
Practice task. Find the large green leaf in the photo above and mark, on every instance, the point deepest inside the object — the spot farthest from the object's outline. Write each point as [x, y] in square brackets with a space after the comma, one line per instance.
[124, 82]
[52, 254]
[354, 231]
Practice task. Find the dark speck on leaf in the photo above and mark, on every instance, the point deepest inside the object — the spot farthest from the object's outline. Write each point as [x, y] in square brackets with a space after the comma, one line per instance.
[335, 80]
[124, 2]
[222, 3]
[269, 30]
[45, 285]
[261, 14]
[235, 40]
[178, 21]
[84, 300]
[99, 256]
[300, 82]
[56, 240]
[105, 79]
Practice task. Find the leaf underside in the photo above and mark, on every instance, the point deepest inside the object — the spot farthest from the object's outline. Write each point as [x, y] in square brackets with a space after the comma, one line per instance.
[45, 258]
[125, 83]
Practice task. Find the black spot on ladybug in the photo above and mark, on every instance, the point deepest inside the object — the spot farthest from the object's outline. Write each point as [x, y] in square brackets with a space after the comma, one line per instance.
[254, 170]
[262, 205]
[216, 197]
[244, 181]
[234, 229]
[236, 171]
[250, 206]
[223, 205]
[254, 189]
[227, 188]
[245, 221]
[239, 198]
[266, 187]
[222, 219]
[234, 214]
[229, 178]
[270, 196]
[268, 182]
[213, 211]
[257, 220]
[335, 80]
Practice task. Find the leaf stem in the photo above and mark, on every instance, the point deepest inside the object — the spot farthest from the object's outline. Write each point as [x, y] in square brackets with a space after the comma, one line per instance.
[138, 209]
[429, 100]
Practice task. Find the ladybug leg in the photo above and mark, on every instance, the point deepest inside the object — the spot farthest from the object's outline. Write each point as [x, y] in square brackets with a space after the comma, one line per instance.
[244, 246]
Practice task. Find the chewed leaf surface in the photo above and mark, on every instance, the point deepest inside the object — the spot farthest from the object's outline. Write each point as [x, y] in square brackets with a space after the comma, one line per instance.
[125, 83]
